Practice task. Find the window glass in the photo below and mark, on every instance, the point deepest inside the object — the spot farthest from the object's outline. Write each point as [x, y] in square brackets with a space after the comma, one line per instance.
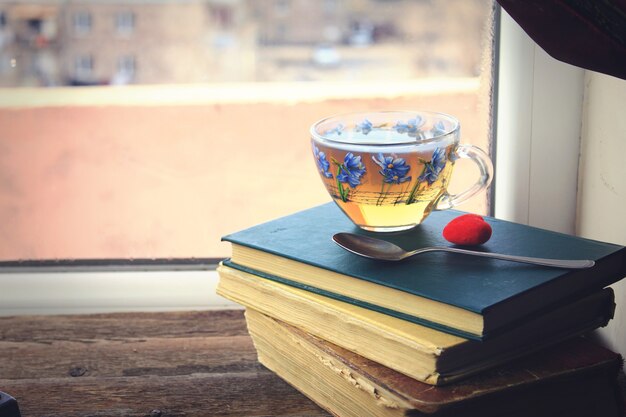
[149, 129]
[124, 23]
[83, 68]
[81, 22]
[126, 68]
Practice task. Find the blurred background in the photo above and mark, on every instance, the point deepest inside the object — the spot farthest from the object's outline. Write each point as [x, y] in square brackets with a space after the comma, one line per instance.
[151, 128]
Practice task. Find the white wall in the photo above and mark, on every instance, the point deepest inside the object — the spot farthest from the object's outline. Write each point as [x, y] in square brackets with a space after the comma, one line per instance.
[539, 108]
[601, 211]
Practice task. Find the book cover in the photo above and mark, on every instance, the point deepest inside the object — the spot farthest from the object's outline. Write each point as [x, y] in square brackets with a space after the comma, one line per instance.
[469, 296]
[576, 378]
[420, 352]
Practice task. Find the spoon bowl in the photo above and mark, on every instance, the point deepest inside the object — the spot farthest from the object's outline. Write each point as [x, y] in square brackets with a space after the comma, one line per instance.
[379, 249]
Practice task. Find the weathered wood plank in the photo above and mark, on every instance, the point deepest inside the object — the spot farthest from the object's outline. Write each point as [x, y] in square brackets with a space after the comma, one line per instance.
[259, 393]
[120, 326]
[141, 364]
[106, 358]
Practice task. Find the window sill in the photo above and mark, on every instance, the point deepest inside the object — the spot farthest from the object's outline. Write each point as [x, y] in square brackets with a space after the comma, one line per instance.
[116, 291]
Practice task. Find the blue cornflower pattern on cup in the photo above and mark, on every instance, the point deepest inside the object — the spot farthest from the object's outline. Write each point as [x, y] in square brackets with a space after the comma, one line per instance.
[438, 129]
[336, 130]
[364, 127]
[430, 173]
[351, 170]
[393, 169]
[322, 163]
[411, 127]
[433, 169]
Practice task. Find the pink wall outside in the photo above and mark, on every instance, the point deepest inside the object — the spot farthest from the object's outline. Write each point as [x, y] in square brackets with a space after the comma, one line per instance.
[167, 182]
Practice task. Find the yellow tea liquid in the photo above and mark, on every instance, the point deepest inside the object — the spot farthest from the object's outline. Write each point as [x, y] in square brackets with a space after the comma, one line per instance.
[374, 204]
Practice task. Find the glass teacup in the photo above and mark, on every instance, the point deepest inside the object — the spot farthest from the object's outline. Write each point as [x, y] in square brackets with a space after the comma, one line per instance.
[389, 170]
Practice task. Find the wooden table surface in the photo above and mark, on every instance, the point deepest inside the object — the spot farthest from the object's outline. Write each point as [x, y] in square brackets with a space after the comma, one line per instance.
[141, 364]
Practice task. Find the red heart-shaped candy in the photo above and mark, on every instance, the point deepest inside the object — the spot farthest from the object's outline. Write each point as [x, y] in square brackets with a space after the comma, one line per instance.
[468, 229]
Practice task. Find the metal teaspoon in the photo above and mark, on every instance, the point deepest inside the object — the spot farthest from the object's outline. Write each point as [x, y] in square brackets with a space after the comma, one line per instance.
[370, 247]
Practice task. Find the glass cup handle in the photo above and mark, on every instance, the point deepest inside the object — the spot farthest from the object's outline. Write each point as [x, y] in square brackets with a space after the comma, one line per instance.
[485, 166]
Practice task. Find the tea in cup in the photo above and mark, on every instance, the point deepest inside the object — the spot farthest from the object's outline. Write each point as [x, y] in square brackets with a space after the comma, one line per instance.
[389, 170]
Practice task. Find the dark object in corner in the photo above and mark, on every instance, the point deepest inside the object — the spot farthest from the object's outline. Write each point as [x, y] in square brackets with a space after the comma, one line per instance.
[8, 406]
[590, 34]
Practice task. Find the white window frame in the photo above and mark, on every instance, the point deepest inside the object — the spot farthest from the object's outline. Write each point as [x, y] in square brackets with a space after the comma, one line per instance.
[538, 128]
[538, 118]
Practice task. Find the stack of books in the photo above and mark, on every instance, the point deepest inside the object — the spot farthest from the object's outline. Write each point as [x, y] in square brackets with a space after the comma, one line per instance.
[437, 334]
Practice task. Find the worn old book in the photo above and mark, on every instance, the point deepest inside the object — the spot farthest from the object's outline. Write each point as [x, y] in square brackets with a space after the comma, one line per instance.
[472, 297]
[575, 378]
[420, 352]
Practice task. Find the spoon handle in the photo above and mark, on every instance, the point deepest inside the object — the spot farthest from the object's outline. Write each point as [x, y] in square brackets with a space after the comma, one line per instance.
[557, 263]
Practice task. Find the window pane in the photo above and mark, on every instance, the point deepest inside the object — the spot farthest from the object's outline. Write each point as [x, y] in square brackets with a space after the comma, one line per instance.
[194, 123]
[81, 22]
[124, 23]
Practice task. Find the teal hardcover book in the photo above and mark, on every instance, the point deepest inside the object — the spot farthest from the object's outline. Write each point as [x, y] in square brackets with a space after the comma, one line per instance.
[473, 297]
